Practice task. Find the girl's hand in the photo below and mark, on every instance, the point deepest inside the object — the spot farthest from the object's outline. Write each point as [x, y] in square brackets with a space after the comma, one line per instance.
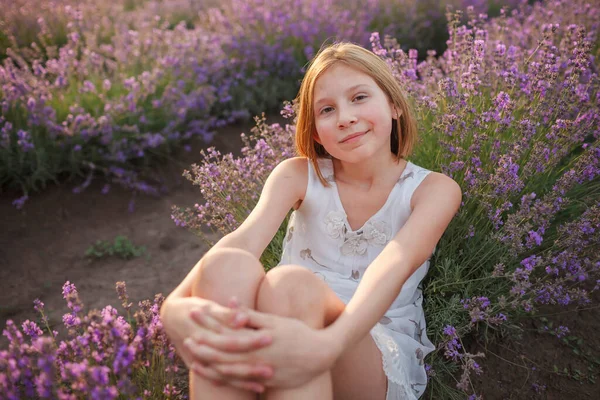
[209, 317]
[297, 355]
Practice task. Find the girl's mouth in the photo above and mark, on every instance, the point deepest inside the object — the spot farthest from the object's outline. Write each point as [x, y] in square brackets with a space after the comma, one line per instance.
[353, 137]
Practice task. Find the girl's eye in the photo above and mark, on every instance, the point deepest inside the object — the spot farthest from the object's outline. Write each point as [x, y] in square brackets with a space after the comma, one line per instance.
[359, 97]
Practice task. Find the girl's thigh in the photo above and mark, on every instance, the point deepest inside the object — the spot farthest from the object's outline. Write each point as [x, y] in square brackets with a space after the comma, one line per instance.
[358, 373]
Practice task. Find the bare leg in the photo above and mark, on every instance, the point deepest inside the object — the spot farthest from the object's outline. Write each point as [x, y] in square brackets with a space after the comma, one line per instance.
[294, 291]
[225, 273]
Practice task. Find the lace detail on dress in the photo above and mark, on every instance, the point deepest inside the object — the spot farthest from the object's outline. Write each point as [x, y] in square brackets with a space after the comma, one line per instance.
[335, 225]
[374, 232]
[392, 366]
[329, 178]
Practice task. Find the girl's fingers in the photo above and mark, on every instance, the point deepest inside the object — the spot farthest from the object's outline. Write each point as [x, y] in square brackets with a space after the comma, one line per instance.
[226, 316]
[233, 341]
[205, 354]
[244, 371]
[251, 386]
[208, 373]
[207, 321]
[213, 376]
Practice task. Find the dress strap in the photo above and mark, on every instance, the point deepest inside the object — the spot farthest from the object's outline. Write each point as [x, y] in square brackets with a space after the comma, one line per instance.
[326, 167]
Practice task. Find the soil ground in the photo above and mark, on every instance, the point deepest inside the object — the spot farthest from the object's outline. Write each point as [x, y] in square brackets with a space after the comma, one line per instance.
[43, 245]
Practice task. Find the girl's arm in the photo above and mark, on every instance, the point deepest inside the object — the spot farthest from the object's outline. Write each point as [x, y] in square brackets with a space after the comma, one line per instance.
[436, 201]
[284, 187]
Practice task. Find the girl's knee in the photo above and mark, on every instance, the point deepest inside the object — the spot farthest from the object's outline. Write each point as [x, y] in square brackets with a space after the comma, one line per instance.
[293, 291]
[227, 268]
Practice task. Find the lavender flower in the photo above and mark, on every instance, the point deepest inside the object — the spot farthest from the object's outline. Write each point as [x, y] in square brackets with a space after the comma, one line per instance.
[18, 203]
[99, 360]
[122, 293]
[31, 329]
[70, 294]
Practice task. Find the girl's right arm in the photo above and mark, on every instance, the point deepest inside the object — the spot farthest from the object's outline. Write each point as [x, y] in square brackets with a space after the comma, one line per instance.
[284, 188]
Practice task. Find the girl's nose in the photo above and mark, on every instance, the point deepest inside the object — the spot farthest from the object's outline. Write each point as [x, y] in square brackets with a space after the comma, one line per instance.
[346, 120]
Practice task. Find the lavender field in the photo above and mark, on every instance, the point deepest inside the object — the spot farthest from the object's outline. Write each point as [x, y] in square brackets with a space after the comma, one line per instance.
[94, 90]
[99, 99]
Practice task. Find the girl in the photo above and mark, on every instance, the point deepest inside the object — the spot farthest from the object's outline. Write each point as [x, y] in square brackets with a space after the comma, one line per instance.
[341, 316]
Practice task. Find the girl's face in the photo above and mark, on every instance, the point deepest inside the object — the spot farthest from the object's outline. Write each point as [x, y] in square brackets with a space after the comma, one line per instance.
[353, 116]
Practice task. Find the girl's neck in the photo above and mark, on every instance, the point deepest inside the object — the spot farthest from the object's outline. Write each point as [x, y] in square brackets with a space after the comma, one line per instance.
[374, 171]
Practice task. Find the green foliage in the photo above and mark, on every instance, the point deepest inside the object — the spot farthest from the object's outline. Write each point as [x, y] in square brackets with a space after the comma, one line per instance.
[121, 247]
[153, 377]
[272, 254]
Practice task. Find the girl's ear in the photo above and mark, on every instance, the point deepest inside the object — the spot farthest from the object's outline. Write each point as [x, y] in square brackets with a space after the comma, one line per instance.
[316, 138]
[396, 113]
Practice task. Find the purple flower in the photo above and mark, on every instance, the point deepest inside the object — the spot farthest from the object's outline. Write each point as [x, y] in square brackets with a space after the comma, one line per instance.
[24, 140]
[502, 101]
[68, 288]
[18, 203]
[122, 293]
[38, 305]
[31, 103]
[450, 331]
[30, 328]
[69, 292]
[562, 331]
[170, 390]
[71, 320]
[88, 87]
[123, 359]
[99, 375]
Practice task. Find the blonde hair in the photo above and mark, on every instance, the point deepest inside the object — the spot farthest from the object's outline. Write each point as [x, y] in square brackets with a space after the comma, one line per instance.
[404, 128]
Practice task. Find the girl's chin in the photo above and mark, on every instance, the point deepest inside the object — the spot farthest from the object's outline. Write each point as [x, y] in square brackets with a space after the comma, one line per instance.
[354, 158]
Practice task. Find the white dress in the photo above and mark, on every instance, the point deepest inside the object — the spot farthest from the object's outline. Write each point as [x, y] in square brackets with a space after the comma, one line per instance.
[319, 237]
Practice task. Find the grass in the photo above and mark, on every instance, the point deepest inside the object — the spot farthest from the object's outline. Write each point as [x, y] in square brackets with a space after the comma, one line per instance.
[121, 247]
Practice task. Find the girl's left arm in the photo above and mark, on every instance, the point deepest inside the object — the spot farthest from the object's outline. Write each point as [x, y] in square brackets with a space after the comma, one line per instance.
[436, 201]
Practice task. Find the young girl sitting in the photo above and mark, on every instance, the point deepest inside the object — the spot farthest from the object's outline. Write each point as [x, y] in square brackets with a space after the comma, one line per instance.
[341, 316]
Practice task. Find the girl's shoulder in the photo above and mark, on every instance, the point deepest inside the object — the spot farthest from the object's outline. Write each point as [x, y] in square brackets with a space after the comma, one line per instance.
[293, 174]
[295, 166]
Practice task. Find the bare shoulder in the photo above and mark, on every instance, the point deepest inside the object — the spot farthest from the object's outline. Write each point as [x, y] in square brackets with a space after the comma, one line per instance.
[296, 166]
[292, 175]
[293, 169]
[437, 187]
